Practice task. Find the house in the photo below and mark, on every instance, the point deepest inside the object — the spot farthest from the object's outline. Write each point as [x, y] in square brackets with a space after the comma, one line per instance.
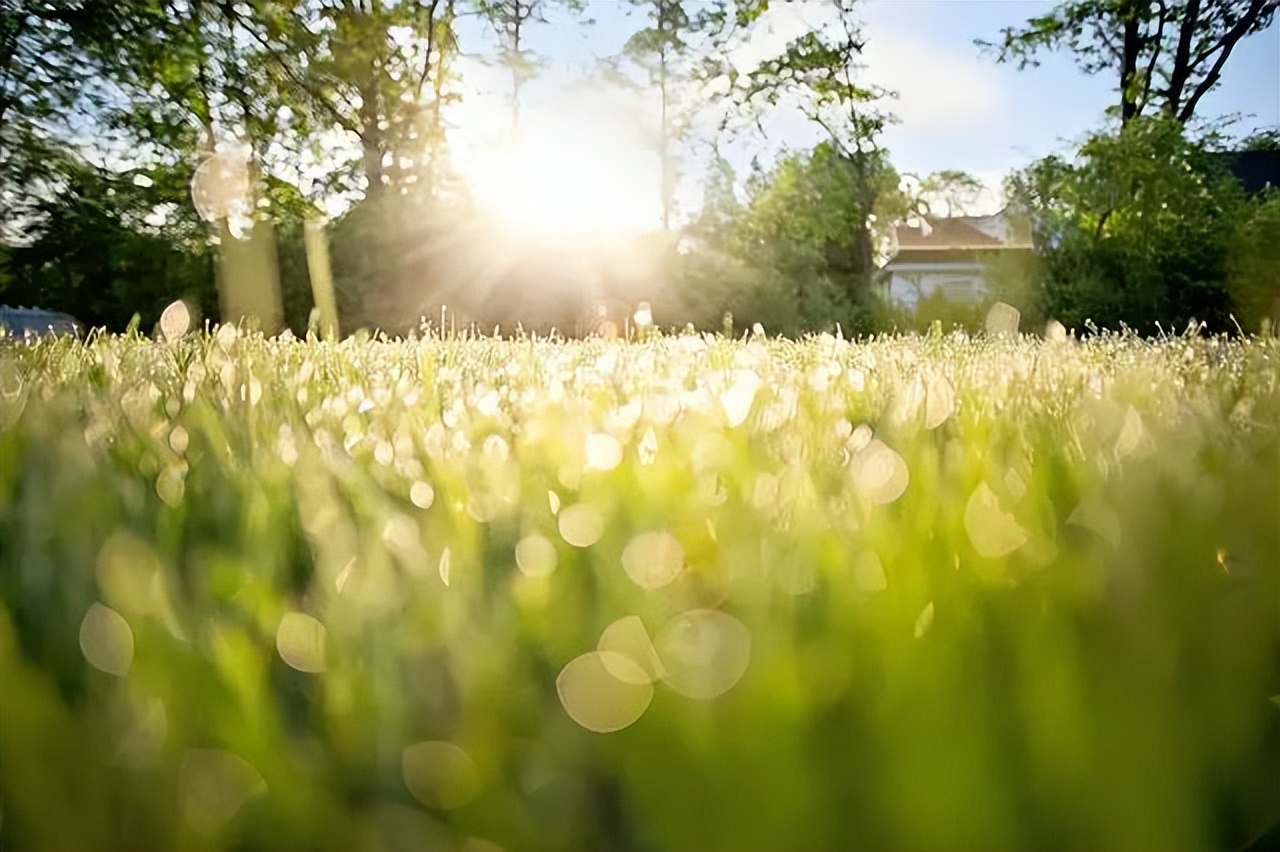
[28, 322]
[948, 256]
[1257, 171]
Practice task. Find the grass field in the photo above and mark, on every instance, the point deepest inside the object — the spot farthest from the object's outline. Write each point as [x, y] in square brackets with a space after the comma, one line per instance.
[688, 593]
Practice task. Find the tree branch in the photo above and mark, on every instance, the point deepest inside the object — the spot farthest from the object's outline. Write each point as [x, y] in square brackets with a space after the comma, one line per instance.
[1129, 60]
[431, 39]
[1157, 43]
[1102, 221]
[1108, 41]
[816, 118]
[343, 121]
[1227, 44]
[1182, 57]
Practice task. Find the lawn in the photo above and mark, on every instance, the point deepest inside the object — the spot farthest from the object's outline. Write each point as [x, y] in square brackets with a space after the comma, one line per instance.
[683, 593]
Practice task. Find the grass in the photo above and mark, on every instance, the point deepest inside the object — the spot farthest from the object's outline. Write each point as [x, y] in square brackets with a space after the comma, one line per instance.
[686, 593]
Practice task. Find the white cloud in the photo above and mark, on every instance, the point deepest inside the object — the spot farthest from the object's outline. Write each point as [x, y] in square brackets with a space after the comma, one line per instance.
[778, 27]
[944, 90]
[939, 89]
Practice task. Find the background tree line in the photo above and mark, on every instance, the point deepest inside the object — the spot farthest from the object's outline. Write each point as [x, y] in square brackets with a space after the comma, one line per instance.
[108, 109]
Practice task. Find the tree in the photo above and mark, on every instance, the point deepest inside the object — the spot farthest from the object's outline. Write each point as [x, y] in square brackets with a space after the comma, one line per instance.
[192, 91]
[1166, 54]
[662, 50]
[86, 236]
[819, 72]
[160, 86]
[950, 192]
[371, 69]
[378, 74]
[720, 204]
[511, 20]
[780, 257]
[1253, 267]
[44, 49]
[1138, 229]
[92, 258]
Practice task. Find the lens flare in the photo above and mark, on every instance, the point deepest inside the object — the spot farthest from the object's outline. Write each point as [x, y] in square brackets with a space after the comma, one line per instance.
[599, 700]
[300, 639]
[566, 177]
[653, 559]
[992, 531]
[704, 652]
[440, 775]
[581, 525]
[106, 640]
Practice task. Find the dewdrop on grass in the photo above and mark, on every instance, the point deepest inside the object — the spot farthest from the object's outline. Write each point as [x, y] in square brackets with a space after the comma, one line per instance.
[581, 524]
[599, 700]
[653, 559]
[992, 531]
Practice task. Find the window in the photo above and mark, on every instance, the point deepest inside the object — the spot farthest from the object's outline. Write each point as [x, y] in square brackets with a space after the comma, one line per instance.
[967, 289]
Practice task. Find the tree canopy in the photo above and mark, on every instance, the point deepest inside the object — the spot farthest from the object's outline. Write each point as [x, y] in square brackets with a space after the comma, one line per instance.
[1166, 55]
[166, 149]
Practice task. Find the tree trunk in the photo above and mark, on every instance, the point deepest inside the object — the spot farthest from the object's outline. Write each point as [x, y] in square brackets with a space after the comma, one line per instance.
[1129, 61]
[516, 72]
[1182, 58]
[436, 144]
[371, 136]
[862, 247]
[664, 141]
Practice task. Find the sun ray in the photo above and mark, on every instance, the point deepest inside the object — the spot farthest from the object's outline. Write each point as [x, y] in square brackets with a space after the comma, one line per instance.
[566, 180]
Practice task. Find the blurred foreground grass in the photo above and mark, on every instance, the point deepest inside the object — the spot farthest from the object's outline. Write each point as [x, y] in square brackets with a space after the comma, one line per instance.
[691, 593]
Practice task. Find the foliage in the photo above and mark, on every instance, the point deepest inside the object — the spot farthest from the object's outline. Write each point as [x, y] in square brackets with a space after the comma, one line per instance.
[933, 313]
[94, 260]
[807, 220]
[1138, 230]
[1167, 55]
[820, 72]
[377, 72]
[1015, 279]
[950, 192]
[911, 593]
[511, 21]
[108, 109]
[779, 258]
[43, 48]
[1261, 140]
[1253, 266]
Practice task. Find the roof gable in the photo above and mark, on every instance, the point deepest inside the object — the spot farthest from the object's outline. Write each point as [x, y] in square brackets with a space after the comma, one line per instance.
[957, 239]
[951, 233]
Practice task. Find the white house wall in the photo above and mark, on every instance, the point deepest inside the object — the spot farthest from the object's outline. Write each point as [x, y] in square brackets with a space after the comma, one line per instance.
[911, 284]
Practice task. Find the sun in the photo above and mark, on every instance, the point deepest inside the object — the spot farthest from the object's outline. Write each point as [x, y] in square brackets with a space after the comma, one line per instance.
[564, 179]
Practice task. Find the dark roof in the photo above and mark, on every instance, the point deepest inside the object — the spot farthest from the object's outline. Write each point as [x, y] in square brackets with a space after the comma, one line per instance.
[945, 234]
[1257, 171]
[958, 239]
[23, 321]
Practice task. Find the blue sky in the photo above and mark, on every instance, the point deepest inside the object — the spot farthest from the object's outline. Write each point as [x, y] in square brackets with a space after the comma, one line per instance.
[961, 110]
[958, 109]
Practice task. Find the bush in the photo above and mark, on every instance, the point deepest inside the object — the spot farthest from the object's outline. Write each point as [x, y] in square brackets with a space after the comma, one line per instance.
[1253, 278]
[1138, 231]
